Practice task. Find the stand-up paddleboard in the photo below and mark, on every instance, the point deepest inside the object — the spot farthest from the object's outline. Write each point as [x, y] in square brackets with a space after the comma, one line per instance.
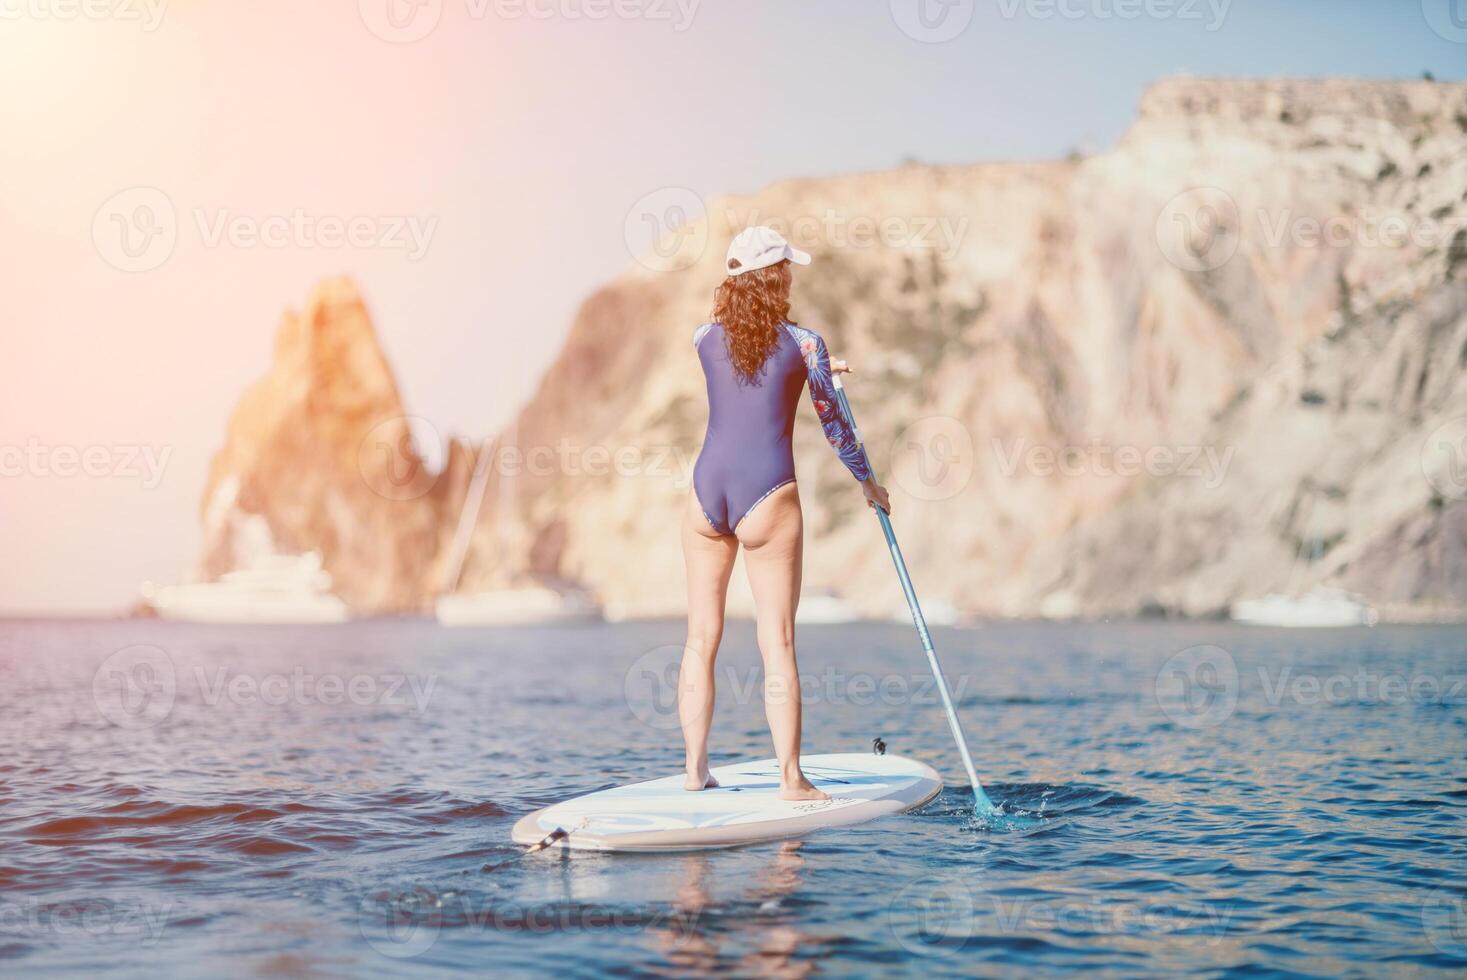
[744, 808]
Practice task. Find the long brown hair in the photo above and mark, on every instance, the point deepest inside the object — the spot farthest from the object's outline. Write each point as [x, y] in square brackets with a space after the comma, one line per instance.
[751, 308]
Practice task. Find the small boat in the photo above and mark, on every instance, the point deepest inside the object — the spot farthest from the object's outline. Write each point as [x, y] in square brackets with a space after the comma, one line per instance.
[1317, 608]
[528, 606]
[273, 589]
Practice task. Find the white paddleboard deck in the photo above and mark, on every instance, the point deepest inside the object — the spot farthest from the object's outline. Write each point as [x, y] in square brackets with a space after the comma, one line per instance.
[745, 808]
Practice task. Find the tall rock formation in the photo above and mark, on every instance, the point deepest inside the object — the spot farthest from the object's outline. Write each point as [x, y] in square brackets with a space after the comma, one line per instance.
[320, 455]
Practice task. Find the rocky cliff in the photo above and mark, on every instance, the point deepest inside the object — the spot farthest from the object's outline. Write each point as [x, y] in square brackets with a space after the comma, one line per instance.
[1201, 365]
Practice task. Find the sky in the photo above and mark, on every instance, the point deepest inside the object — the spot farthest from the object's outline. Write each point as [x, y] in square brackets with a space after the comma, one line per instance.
[492, 153]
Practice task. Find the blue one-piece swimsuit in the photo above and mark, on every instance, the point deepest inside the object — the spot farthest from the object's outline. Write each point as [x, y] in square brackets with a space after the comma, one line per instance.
[747, 453]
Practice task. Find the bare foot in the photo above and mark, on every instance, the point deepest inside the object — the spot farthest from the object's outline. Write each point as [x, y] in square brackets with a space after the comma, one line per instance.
[693, 783]
[802, 790]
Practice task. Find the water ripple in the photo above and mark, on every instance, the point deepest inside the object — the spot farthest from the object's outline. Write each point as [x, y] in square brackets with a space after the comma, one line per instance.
[372, 838]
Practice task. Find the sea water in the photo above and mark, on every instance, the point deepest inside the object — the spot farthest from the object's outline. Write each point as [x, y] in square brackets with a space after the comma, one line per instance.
[337, 801]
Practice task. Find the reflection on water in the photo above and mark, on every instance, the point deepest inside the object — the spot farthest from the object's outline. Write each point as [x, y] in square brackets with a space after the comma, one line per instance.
[695, 946]
[304, 801]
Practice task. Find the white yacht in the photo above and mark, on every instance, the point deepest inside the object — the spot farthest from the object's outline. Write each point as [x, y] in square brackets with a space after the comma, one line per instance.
[1316, 608]
[824, 608]
[526, 605]
[274, 589]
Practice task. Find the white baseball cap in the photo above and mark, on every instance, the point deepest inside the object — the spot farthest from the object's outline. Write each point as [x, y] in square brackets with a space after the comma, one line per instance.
[760, 247]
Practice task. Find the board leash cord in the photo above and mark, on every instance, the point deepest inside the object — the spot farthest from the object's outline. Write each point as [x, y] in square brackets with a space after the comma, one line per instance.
[555, 837]
[981, 803]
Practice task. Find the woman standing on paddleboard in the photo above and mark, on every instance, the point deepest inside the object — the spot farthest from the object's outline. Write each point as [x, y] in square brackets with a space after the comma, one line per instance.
[756, 361]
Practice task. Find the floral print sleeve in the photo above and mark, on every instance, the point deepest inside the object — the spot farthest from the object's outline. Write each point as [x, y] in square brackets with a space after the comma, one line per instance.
[822, 392]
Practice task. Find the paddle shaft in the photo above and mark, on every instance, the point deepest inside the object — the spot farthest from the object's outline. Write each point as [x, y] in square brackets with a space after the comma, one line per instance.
[980, 799]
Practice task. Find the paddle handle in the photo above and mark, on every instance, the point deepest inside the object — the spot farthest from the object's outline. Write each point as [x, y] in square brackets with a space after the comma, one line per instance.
[980, 799]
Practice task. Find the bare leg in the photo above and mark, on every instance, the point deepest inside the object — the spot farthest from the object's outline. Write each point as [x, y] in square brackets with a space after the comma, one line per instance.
[710, 560]
[773, 536]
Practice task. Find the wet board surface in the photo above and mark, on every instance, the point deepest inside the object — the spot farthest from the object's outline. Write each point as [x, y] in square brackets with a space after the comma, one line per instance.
[659, 815]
